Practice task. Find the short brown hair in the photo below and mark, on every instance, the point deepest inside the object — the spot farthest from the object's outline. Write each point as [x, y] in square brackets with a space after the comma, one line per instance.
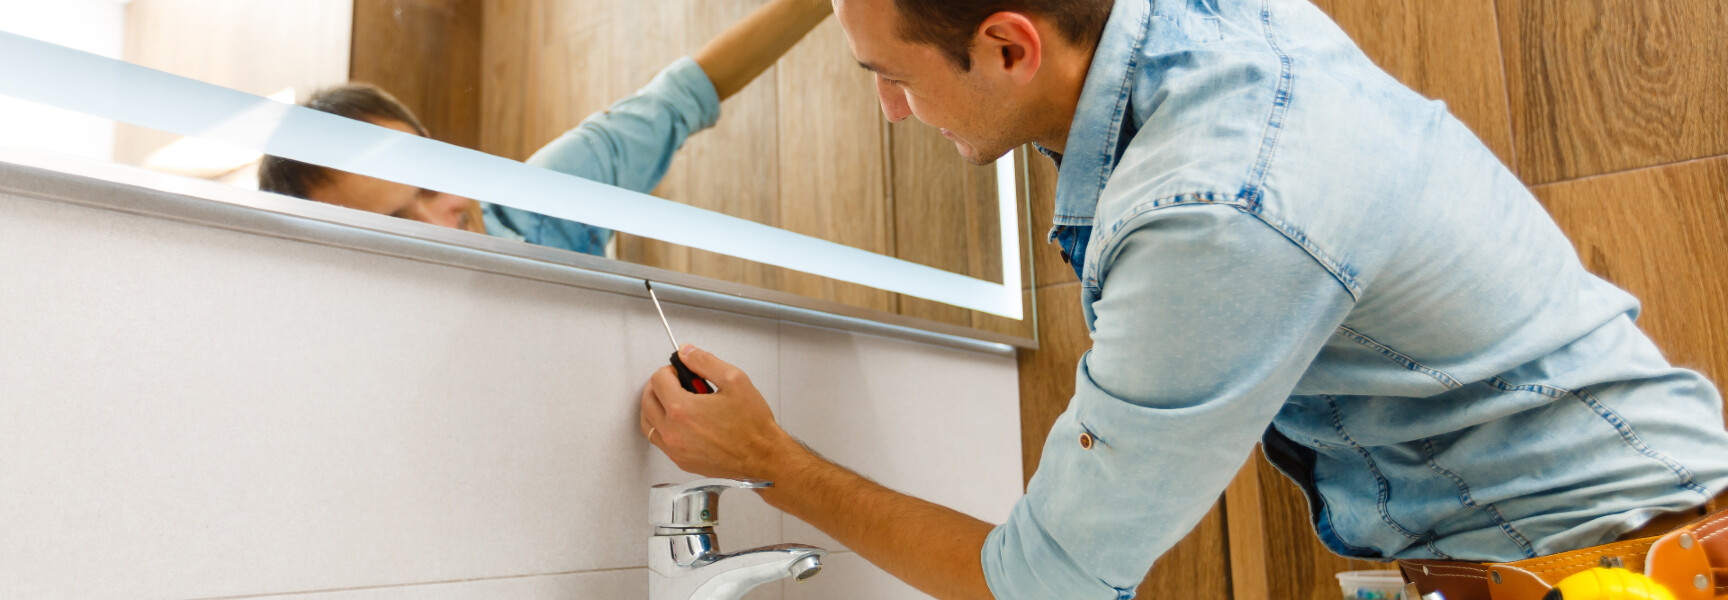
[358, 101]
[949, 25]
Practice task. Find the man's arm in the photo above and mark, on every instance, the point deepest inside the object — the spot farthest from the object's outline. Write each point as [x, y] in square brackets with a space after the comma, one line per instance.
[732, 433]
[747, 48]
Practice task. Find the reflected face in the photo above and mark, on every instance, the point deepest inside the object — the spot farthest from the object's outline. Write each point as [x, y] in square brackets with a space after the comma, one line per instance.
[390, 198]
[915, 79]
[444, 210]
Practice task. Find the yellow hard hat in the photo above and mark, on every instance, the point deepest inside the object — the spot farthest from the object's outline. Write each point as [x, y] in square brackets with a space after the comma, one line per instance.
[1604, 583]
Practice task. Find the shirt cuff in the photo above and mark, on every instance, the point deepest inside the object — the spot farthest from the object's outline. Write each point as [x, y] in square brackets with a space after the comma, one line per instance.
[1022, 562]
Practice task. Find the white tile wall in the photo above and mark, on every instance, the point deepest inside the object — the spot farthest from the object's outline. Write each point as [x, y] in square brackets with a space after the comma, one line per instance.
[189, 412]
[594, 585]
[846, 575]
[929, 421]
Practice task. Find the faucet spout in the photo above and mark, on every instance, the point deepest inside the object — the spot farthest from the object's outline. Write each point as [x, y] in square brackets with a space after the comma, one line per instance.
[716, 576]
[739, 573]
[684, 557]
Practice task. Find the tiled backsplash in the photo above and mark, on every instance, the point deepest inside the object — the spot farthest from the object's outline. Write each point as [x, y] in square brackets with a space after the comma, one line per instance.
[193, 412]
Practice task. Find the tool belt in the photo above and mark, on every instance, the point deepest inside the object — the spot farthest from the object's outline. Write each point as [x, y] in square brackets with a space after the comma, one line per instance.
[1684, 552]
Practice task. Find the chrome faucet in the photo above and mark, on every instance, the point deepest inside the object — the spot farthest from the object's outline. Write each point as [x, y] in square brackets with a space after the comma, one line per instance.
[684, 557]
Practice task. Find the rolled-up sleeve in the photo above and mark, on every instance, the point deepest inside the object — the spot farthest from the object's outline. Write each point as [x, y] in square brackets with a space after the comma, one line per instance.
[631, 144]
[1206, 318]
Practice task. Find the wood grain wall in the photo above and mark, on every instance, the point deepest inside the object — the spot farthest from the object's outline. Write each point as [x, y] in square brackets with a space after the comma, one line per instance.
[427, 54]
[1613, 111]
[255, 46]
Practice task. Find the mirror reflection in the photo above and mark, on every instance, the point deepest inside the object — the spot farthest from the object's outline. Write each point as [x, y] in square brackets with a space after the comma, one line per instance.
[752, 108]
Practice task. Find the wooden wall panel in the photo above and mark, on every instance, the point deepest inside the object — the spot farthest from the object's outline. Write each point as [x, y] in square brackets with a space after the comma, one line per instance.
[1662, 234]
[1196, 568]
[1444, 50]
[427, 54]
[255, 46]
[1047, 263]
[506, 59]
[1600, 86]
[1246, 530]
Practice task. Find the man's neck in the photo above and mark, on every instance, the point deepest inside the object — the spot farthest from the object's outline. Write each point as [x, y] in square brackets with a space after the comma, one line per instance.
[1063, 100]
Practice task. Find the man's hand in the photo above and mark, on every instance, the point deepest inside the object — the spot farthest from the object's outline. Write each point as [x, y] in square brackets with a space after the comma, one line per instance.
[729, 433]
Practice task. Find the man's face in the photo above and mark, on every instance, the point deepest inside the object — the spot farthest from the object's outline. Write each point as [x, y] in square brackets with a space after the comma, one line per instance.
[390, 198]
[974, 109]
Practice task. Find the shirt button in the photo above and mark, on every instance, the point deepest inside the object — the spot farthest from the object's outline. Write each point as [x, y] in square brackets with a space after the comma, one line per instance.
[1086, 441]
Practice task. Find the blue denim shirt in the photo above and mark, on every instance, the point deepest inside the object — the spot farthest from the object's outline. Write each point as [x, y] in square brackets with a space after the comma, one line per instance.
[1278, 241]
[629, 145]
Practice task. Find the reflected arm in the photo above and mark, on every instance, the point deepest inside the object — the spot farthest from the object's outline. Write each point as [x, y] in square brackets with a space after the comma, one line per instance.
[747, 48]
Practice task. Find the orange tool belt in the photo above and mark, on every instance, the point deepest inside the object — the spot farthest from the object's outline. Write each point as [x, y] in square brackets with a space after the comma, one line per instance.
[1686, 552]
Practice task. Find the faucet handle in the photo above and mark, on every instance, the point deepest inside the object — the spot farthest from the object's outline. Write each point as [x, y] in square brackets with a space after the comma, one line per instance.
[693, 503]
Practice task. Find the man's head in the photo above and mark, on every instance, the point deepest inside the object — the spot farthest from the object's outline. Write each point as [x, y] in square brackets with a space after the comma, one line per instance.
[363, 102]
[991, 74]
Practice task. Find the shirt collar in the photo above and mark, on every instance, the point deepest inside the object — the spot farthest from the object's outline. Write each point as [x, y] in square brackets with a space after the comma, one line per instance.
[1093, 143]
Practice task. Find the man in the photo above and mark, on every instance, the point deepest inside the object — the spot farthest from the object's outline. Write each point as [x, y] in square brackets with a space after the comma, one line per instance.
[1276, 241]
[629, 145]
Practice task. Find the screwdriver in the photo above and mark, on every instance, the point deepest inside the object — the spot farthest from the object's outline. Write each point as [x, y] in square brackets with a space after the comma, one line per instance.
[686, 377]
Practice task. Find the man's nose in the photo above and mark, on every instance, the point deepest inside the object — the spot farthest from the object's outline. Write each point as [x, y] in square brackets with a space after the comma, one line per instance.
[893, 100]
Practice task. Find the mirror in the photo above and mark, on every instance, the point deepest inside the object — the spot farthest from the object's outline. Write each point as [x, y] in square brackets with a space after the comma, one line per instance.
[803, 148]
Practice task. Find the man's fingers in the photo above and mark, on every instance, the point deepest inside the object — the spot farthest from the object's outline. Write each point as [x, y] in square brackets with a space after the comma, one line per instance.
[663, 382]
[710, 367]
[647, 430]
[653, 408]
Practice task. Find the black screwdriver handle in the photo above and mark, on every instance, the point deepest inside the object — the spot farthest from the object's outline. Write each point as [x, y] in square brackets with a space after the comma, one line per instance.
[688, 378]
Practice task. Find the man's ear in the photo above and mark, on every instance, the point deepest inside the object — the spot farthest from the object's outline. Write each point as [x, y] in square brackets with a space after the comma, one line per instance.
[1009, 42]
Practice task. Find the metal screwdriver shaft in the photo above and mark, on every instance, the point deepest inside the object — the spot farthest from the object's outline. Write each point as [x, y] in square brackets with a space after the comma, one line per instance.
[657, 309]
[686, 378]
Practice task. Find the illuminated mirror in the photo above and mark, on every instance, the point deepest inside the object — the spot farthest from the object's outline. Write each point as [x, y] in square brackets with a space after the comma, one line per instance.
[801, 187]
